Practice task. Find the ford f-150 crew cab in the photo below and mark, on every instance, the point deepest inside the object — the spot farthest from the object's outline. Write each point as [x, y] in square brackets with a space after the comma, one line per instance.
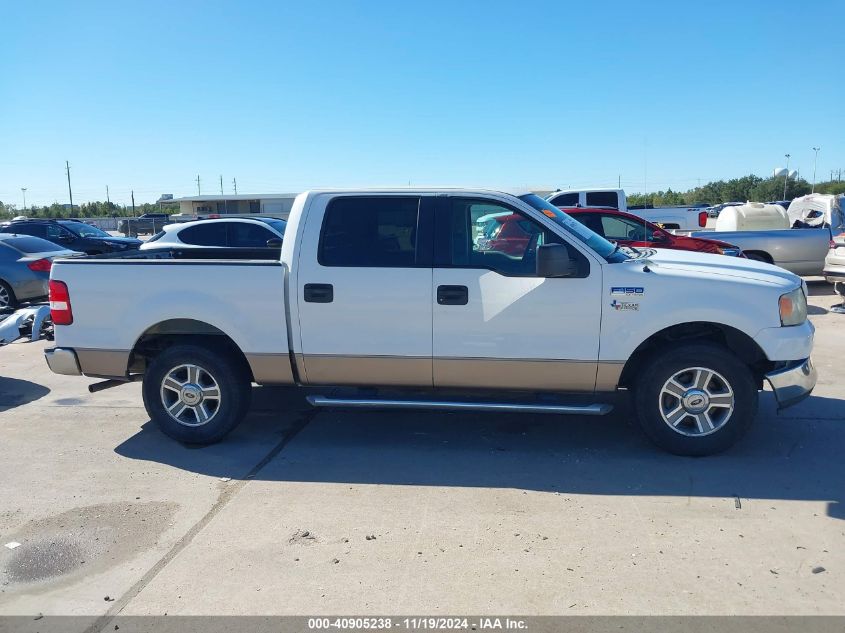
[393, 299]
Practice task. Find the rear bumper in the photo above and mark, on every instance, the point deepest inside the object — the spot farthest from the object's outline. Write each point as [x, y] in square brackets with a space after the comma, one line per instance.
[793, 383]
[62, 361]
[834, 274]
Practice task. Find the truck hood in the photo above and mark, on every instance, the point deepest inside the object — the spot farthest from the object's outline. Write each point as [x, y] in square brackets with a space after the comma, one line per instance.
[696, 264]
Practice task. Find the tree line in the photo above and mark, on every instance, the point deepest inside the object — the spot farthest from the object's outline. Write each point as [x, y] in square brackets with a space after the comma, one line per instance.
[748, 188]
[85, 210]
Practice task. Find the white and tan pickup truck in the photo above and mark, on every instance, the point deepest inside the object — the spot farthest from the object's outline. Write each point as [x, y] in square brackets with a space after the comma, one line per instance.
[390, 298]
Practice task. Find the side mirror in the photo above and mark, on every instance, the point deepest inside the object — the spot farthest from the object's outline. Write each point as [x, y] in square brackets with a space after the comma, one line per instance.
[274, 242]
[553, 261]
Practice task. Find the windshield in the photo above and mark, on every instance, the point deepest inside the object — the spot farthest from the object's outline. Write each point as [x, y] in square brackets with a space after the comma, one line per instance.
[85, 230]
[600, 245]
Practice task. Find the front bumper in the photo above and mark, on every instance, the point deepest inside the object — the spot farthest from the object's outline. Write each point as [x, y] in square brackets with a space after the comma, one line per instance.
[793, 383]
[63, 361]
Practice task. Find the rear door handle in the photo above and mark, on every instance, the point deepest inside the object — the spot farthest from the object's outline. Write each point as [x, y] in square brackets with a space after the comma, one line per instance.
[452, 295]
[319, 293]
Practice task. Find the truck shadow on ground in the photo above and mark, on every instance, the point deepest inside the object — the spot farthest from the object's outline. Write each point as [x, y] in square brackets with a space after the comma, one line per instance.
[15, 392]
[794, 456]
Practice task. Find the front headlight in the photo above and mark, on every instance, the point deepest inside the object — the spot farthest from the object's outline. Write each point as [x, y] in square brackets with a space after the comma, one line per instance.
[793, 307]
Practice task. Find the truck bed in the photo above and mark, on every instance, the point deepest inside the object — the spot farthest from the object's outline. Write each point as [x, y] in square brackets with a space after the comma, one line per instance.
[801, 251]
[117, 299]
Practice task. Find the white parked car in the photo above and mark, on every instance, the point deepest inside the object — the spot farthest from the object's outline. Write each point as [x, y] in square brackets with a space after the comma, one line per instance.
[220, 233]
[388, 288]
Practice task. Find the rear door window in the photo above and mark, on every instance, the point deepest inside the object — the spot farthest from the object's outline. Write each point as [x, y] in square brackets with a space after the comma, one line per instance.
[211, 234]
[28, 228]
[370, 232]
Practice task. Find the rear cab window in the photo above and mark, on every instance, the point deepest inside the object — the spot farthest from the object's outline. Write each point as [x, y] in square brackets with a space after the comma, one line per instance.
[603, 199]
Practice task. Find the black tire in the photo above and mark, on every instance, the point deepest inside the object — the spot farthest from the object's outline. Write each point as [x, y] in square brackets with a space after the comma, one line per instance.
[7, 296]
[226, 412]
[692, 434]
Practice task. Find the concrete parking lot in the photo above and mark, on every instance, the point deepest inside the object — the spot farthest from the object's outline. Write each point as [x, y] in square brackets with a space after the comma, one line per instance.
[329, 512]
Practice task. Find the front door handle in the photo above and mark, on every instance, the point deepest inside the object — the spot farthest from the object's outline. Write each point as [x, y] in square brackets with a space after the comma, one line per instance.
[319, 293]
[452, 295]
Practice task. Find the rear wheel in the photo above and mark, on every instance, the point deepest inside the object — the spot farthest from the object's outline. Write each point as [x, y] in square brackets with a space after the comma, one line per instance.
[7, 296]
[196, 395]
[695, 399]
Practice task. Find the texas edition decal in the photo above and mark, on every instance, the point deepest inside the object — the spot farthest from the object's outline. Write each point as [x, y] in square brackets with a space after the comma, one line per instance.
[624, 305]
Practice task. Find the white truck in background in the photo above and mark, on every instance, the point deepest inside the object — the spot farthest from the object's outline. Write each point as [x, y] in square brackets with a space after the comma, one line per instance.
[391, 295]
[688, 218]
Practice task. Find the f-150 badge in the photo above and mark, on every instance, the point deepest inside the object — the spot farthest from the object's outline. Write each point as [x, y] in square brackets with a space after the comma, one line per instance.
[627, 291]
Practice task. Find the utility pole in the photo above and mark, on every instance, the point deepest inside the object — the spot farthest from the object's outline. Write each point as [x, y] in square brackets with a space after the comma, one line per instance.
[133, 203]
[235, 184]
[108, 200]
[815, 161]
[199, 193]
[23, 190]
[785, 176]
[69, 190]
[221, 184]
[619, 182]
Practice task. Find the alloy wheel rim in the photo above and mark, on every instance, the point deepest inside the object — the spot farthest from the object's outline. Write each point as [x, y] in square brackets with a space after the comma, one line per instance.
[696, 401]
[190, 395]
[4, 297]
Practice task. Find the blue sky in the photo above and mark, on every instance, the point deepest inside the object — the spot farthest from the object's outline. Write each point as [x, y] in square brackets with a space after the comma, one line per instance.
[286, 96]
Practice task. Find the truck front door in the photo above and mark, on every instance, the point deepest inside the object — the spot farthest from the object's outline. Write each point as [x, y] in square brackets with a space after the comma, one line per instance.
[496, 323]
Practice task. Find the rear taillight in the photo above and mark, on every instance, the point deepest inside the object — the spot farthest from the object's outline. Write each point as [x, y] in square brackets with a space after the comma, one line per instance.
[41, 265]
[702, 218]
[60, 310]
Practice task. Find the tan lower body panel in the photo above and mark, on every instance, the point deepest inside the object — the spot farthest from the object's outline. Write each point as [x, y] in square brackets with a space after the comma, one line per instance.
[271, 369]
[382, 371]
[471, 373]
[507, 373]
[103, 363]
[607, 376]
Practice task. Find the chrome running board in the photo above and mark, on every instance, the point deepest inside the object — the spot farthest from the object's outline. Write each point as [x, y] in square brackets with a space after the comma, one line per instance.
[454, 405]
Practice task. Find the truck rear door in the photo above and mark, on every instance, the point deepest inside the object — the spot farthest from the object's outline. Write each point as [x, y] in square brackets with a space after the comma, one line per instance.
[365, 301]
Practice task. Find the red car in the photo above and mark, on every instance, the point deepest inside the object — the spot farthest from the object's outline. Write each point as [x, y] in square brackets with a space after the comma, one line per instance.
[629, 230]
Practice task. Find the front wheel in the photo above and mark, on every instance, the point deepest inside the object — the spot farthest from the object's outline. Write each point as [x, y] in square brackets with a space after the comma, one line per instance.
[195, 395]
[695, 399]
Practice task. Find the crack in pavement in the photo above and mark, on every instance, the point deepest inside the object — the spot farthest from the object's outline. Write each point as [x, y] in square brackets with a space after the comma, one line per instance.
[103, 621]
